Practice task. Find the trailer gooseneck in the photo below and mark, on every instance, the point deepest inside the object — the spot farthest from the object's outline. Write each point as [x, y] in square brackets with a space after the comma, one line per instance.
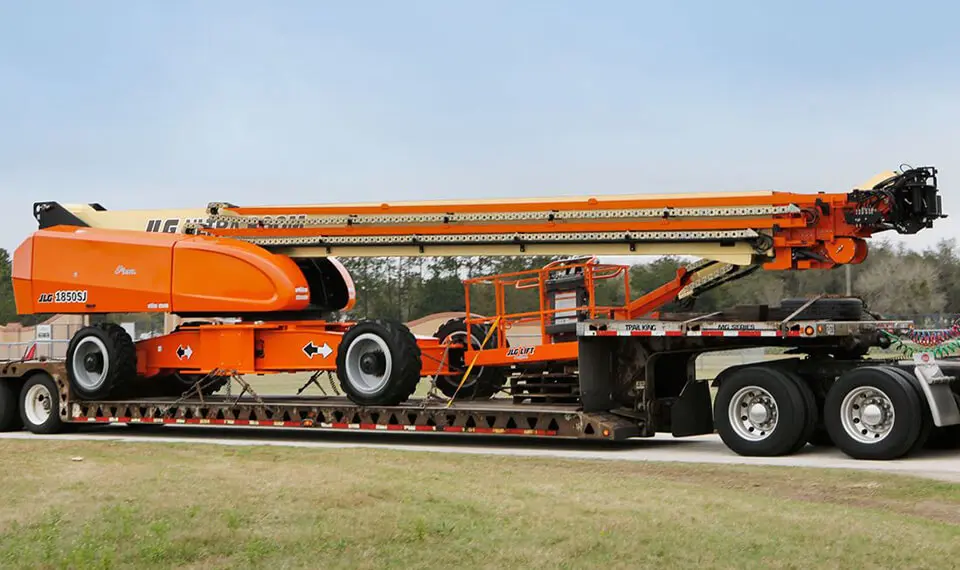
[611, 371]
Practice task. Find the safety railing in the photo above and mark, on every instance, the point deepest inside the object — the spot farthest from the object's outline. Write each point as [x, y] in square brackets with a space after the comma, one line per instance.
[33, 350]
[568, 304]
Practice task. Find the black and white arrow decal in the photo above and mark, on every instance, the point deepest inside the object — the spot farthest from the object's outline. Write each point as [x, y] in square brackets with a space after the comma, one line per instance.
[312, 350]
[184, 352]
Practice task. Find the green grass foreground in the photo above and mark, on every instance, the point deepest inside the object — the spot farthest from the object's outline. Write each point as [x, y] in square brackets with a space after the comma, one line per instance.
[177, 506]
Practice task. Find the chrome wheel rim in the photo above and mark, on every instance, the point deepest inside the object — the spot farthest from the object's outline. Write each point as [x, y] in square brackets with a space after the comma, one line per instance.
[867, 414]
[753, 413]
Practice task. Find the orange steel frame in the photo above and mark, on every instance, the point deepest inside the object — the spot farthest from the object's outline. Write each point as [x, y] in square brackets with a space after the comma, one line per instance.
[294, 346]
[260, 348]
[547, 350]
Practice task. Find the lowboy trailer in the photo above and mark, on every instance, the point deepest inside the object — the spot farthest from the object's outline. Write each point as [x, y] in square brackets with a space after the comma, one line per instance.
[870, 408]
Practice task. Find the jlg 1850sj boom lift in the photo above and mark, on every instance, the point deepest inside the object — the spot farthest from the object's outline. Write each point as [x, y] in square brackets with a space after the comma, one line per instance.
[597, 371]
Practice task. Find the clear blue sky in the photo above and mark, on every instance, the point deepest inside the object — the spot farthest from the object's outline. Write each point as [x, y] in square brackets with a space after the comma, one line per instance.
[176, 104]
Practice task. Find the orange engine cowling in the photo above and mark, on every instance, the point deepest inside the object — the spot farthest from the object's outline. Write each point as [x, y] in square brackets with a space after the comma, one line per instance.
[68, 269]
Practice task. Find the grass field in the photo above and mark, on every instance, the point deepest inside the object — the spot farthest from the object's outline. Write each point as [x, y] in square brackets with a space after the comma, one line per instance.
[158, 506]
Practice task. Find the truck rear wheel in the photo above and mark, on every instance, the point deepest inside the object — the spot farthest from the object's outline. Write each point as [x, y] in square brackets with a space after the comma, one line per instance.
[761, 411]
[99, 359]
[40, 405]
[483, 381]
[811, 410]
[378, 363]
[926, 418]
[9, 405]
[874, 413]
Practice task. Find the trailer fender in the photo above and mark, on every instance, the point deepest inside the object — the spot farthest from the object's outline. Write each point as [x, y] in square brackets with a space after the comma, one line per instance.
[934, 387]
[776, 364]
[728, 371]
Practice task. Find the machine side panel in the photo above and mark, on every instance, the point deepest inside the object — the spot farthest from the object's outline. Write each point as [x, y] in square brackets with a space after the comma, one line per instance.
[68, 269]
[22, 271]
[83, 270]
[229, 277]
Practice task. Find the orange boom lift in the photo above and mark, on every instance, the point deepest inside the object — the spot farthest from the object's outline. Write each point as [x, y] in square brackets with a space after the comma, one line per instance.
[271, 271]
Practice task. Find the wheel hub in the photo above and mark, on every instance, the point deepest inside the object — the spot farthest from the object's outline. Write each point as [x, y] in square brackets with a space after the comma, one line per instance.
[753, 413]
[867, 414]
[872, 415]
[758, 413]
[38, 404]
[93, 363]
[373, 363]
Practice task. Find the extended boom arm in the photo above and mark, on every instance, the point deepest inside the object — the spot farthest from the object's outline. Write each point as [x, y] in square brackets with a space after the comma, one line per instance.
[782, 230]
[288, 250]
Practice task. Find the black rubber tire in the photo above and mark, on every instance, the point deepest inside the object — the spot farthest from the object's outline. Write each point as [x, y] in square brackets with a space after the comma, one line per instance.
[822, 309]
[820, 438]
[53, 423]
[811, 410]
[907, 407]
[926, 427]
[122, 359]
[792, 421]
[10, 419]
[404, 361]
[483, 382]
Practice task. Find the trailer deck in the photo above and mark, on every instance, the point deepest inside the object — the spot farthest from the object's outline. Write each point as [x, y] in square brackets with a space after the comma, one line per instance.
[653, 357]
[338, 413]
[498, 416]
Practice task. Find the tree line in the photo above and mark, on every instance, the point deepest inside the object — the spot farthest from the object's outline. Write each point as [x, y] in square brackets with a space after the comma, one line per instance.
[893, 281]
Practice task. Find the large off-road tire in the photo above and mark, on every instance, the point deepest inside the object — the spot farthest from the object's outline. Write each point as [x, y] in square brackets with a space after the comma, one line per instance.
[10, 405]
[483, 381]
[100, 358]
[874, 413]
[761, 411]
[378, 363]
[845, 309]
[40, 405]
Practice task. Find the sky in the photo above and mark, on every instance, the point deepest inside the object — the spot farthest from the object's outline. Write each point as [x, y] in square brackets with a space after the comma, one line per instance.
[160, 104]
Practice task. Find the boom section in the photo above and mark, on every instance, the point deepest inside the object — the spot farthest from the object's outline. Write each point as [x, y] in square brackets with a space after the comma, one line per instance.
[772, 229]
[780, 230]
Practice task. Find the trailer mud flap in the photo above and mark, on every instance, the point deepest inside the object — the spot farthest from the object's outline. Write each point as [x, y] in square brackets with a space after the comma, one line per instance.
[596, 374]
[692, 412]
[935, 387]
